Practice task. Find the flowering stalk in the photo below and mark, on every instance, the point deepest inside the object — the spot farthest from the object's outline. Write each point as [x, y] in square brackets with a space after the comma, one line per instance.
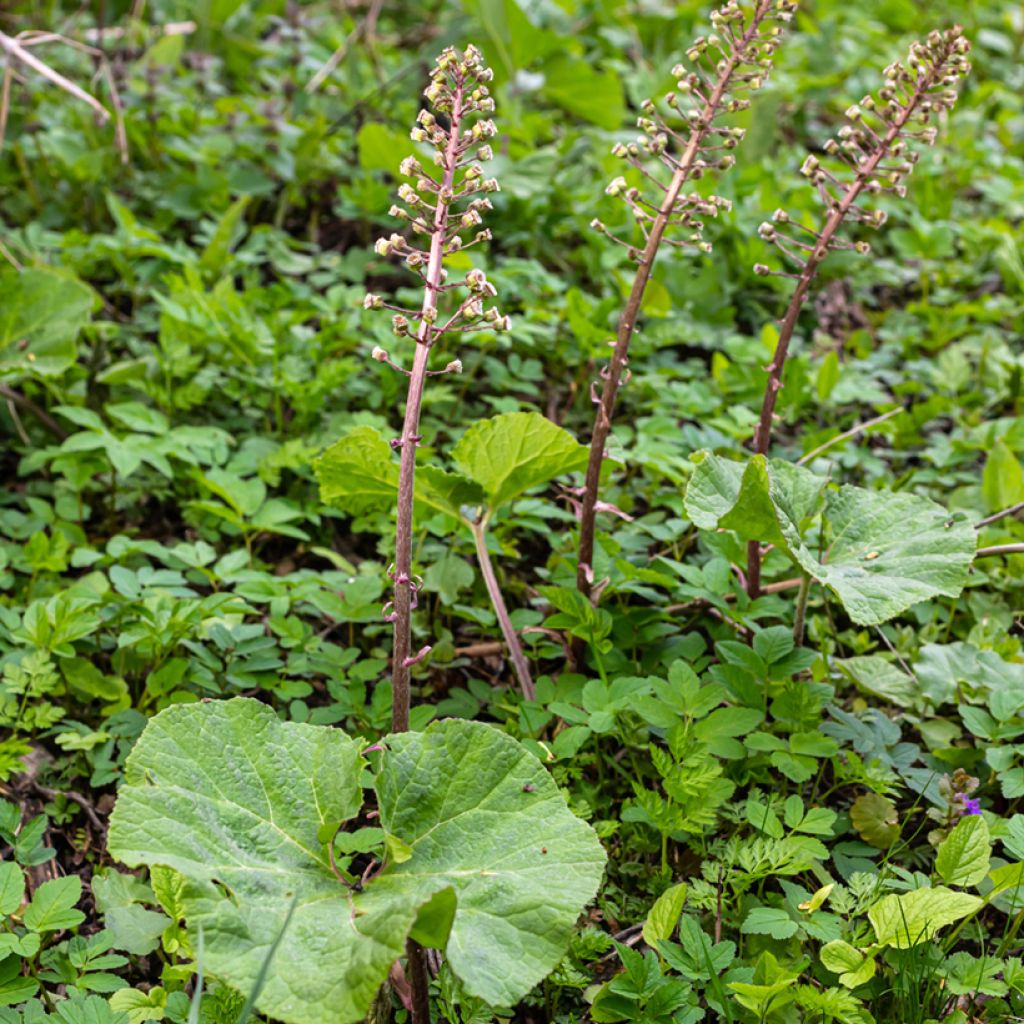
[876, 149]
[735, 59]
[440, 210]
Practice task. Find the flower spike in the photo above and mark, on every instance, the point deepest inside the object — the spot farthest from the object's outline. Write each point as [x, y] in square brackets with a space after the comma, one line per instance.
[447, 209]
[692, 139]
[871, 155]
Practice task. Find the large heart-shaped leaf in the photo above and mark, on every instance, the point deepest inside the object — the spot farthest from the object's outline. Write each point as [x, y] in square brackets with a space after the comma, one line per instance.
[888, 551]
[507, 455]
[241, 803]
[41, 315]
[483, 817]
[359, 473]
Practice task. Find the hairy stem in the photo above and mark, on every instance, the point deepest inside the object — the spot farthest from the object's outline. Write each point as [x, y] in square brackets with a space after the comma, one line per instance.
[404, 585]
[627, 322]
[801, 609]
[515, 648]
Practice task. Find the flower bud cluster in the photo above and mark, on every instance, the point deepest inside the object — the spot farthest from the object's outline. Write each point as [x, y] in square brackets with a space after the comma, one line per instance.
[446, 205]
[691, 139]
[873, 153]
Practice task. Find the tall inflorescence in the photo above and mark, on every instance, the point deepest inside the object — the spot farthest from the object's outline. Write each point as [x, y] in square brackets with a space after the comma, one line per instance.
[692, 138]
[444, 208]
[872, 156]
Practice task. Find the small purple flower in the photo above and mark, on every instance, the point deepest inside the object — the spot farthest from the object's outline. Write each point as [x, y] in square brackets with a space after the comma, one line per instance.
[968, 805]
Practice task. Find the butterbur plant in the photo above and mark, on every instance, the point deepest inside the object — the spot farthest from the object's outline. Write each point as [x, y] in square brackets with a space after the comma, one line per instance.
[440, 211]
[675, 149]
[472, 848]
[872, 156]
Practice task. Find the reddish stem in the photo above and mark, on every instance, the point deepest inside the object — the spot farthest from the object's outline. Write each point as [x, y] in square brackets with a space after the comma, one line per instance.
[627, 323]
[515, 648]
[865, 172]
[400, 671]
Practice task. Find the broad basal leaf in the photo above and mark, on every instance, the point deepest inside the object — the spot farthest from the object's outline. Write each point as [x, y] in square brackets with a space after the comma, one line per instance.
[507, 455]
[880, 678]
[888, 551]
[42, 313]
[906, 919]
[483, 817]
[236, 800]
[359, 473]
[242, 804]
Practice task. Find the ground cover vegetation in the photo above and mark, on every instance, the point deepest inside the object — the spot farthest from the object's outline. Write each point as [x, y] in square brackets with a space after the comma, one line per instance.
[513, 511]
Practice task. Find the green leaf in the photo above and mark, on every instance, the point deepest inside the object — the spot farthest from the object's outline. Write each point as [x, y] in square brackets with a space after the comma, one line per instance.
[575, 85]
[236, 800]
[381, 148]
[664, 915]
[1002, 480]
[434, 921]
[773, 921]
[905, 920]
[879, 677]
[448, 576]
[876, 820]
[42, 313]
[889, 551]
[441, 491]
[512, 37]
[832, 1004]
[1006, 877]
[853, 966]
[133, 928]
[359, 474]
[494, 827]
[508, 455]
[52, 906]
[140, 1006]
[14, 988]
[12, 887]
[226, 234]
[828, 375]
[963, 856]
[761, 500]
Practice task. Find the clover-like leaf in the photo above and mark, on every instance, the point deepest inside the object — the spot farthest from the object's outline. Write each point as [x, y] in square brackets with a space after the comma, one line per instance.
[493, 861]
[888, 551]
[508, 455]
[40, 318]
[359, 473]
